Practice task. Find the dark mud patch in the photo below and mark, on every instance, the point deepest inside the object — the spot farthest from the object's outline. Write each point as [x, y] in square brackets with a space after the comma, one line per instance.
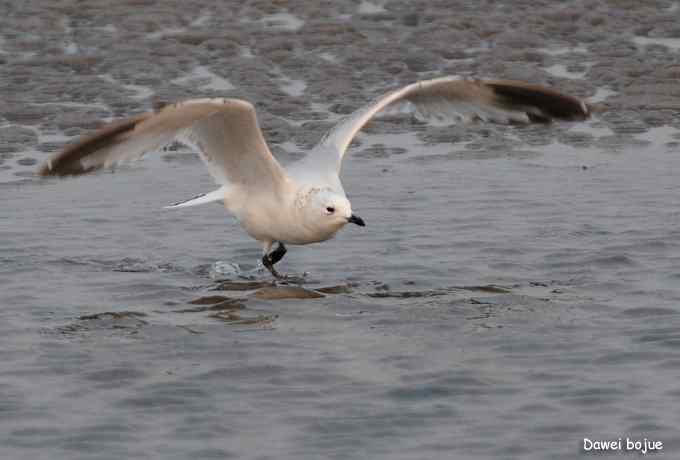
[226, 305]
[114, 316]
[210, 300]
[286, 292]
[407, 294]
[241, 285]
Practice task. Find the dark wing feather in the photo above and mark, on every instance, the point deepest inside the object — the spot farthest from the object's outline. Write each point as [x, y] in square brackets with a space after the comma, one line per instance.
[68, 161]
[493, 100]
[224, 131]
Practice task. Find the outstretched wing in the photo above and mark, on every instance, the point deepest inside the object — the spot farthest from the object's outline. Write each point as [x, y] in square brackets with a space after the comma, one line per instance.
[224, 131]
[493, 100]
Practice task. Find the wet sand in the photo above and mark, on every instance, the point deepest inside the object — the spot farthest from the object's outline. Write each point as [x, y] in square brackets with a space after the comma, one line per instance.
[515, 290]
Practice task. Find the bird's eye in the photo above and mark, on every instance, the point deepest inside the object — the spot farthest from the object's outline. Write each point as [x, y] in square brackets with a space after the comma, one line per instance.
[330, 209]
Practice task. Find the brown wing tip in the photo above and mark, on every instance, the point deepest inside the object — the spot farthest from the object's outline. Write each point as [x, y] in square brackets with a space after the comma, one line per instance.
[61, 169]
[542, 103]
[45, 169]
[68, 161]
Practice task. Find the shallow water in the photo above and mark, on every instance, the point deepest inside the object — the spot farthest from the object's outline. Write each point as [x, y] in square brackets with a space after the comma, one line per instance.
[515, 289]
[491, 306]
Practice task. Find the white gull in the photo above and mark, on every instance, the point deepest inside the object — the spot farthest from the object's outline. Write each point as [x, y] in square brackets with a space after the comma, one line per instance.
[304, 203]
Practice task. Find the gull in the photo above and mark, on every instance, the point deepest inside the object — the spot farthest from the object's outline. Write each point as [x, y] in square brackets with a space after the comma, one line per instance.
[305, 202]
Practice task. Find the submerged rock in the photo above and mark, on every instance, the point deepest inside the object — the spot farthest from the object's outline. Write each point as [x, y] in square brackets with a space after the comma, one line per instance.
[229, 305]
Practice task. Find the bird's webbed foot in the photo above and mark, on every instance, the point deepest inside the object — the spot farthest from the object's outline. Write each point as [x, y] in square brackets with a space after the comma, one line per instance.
[268, 260]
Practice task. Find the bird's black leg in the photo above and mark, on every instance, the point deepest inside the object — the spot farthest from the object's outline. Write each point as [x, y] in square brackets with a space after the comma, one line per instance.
[268, 260]
[278, 254]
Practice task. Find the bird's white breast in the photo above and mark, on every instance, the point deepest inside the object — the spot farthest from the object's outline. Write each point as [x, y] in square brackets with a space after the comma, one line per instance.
[283, 218]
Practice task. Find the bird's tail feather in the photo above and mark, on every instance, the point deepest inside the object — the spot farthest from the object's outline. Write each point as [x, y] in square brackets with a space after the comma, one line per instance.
[215, 195]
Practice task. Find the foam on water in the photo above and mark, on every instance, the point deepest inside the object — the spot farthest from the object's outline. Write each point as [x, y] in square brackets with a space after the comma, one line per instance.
[366, 7]
[109, 28]
[283, 21]
[330, 57]
[560, 70]
[203, 78]
[140, 92]
[598, 130]
[221, 270]
[291, 86]
[671, 43]
[202, 19]
[246, 52]
[660, 135]
[561, 50]
[159, 34]
[50, 137]
[601, 94]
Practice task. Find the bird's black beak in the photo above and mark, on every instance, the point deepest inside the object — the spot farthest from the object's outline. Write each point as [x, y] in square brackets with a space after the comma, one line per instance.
[357, 220]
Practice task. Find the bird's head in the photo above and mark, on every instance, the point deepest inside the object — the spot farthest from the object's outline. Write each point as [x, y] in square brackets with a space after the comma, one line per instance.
[330, 211]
